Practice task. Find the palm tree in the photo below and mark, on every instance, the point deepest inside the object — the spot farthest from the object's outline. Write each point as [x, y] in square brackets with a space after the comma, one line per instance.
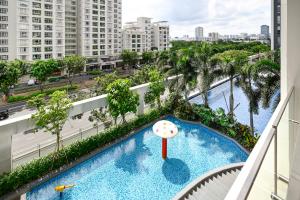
[188, 70]
[182, 64]
[208, 71]
[248, 74]
[231, 62]
[268, 79]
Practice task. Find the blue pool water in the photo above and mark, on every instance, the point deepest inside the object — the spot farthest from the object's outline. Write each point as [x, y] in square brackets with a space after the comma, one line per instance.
[134, 169]
[216, 100]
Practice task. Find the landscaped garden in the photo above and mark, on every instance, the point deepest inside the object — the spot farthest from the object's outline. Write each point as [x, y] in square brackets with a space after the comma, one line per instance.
[196, 66]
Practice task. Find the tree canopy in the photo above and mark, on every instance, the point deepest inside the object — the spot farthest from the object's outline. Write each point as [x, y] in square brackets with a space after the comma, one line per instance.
[121, 99]
[42, 69]
[9, 75]
[51, 116]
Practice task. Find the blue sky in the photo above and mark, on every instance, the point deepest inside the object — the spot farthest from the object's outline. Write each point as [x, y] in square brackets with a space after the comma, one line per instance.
[223, 16]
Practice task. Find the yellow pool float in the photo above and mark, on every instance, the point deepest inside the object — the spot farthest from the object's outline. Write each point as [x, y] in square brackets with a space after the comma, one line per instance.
[61, 188]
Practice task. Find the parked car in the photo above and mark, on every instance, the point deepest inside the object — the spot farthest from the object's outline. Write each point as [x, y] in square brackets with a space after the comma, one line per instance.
[4, 115]
[31, 82]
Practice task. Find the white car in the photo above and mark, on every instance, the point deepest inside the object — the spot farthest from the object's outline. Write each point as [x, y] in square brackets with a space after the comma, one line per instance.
[31, 82]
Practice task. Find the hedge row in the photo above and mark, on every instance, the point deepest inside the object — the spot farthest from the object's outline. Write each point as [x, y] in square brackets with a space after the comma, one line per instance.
[47, 92]
[42, 166]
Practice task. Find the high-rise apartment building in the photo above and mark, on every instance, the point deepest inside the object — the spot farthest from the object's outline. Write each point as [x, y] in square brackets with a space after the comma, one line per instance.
[145, 24]
[36, 29]
[276, 24]
[100, 27]
[160, 36]
[264, 30]
[71, 27]
[4, 30]
[152, 36]
[214, 36]
[56, 28]
[199, 34]
[134, 38]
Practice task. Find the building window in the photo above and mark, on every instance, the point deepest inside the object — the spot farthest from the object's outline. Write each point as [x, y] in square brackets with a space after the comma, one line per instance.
[3, 2]
[3, 18]
[3, 26]
[23, 34]
[3, 49]
[36, 57]
[48, 56]
[3, 10]
[3, 57]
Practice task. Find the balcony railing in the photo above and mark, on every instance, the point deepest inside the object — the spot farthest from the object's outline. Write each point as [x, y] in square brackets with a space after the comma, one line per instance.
[265, 173]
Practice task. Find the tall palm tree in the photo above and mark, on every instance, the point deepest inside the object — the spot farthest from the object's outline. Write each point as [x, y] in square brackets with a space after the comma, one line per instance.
[208, 71]
[231, 63]
[268, 79]
[187, 69]
[248, 74]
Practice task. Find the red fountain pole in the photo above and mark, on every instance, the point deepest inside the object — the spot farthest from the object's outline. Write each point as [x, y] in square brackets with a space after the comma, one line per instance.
[164, 148]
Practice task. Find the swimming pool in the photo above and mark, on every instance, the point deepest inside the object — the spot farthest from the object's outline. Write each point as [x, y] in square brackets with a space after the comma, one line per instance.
[134, 169]
[216, 100]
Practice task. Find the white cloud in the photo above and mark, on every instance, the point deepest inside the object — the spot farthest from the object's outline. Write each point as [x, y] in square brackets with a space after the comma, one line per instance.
[223, 16]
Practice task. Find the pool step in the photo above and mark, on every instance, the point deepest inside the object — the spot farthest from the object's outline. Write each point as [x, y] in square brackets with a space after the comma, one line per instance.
[212, 186]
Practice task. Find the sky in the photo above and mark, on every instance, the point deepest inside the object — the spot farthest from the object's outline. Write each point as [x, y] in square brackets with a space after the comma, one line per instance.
[223, 16]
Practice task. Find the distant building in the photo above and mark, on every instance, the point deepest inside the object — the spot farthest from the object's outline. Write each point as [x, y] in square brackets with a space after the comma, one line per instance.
[143, 35]
[160, 35]
[243, 36]
[264, 30]
[199, 33]
[276, 24]
[214, 36]
[134, 39]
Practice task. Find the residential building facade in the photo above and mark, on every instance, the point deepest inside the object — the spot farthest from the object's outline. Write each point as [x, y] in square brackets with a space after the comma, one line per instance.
[199, 34]
[57, 28]
[264, 30]
[143, 35]
[214, 36]
[134, 38]
[160, 36]
[276, 24]
[4, 29]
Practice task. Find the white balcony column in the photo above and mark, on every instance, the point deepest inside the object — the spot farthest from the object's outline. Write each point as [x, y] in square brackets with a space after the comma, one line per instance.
[290, 73]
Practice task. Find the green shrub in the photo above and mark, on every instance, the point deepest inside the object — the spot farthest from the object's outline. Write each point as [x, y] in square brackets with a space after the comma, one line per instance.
[95, 72]
[47, 92]
[42, 166]
[220, 121]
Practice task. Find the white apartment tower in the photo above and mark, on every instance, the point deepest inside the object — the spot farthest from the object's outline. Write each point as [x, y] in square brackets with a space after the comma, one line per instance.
[71, 28]
[160, 35]
[214, 36]
[134, 38]
[4, 30]
[100, 27]
[55, 28]
[152, 36]
[145, 24]
[199, 35]
[36, 29]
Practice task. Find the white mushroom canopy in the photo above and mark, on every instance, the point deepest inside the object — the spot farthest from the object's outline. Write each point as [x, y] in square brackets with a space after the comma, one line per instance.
[165, 129]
